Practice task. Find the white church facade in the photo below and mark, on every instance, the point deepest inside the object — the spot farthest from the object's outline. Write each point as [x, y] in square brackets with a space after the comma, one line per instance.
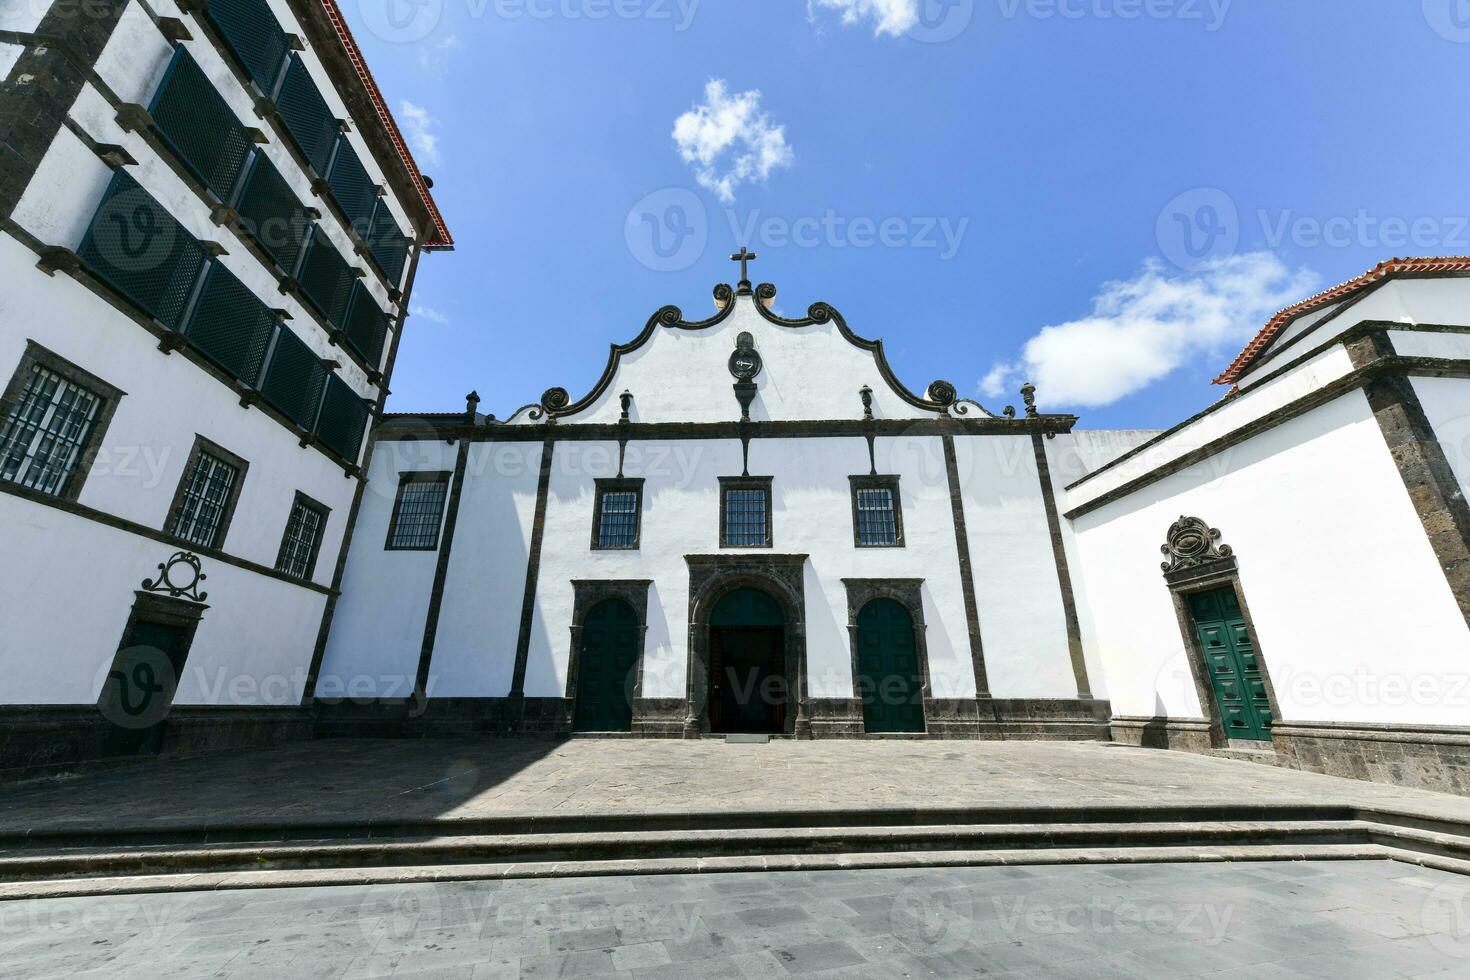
[215, 536]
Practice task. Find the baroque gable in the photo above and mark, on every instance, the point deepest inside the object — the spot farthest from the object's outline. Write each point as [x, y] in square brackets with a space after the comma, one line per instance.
[803, 369]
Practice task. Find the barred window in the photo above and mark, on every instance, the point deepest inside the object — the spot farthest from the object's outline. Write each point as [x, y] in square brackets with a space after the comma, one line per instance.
[615, 523]
[745, 512]
[876, 516]
[51, 415]
[205, 501]
[876, 513]
[417, 512]
[303, 538]
[45, 431]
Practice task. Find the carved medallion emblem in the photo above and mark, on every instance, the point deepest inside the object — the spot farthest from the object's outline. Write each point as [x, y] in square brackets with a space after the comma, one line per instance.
[745, 363]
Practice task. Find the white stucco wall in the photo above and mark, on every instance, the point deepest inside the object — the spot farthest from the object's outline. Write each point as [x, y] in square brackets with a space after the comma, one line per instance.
[1352, 612]
[378, 627]
[683, 375]
[1446, 403]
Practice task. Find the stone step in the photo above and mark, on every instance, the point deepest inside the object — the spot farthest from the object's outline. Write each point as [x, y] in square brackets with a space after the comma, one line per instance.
[781, 861]
[678, 844]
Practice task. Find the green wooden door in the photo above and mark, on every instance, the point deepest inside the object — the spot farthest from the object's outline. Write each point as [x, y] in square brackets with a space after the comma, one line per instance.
[1234, 666]
[605, 668]
[888, 668]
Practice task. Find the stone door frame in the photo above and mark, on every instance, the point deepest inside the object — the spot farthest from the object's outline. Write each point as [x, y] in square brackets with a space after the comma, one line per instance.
[711, 578]
[1186, 575]
[588, 593]
[907, 592]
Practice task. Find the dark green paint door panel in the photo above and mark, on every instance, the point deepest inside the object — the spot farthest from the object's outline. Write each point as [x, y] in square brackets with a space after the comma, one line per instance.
[889, 680]
[1234, 667]
[605, 665]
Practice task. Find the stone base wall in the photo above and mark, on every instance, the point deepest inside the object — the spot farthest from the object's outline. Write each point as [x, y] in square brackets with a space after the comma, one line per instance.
[1421, 757]
[1417, 756]
[1185, 734]
[46, 740]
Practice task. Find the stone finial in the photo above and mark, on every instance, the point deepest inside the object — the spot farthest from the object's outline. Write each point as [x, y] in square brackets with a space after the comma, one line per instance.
[627, 400]
[866, 394]
[1028, 395]
[471, 406]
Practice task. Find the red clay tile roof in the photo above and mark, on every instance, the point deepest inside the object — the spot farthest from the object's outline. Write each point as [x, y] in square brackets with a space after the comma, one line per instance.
[1393, 267]
[441, 238]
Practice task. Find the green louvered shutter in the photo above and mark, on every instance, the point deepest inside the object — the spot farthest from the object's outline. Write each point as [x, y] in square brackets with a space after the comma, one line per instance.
[326, 279]
[253, 36]
[273, 215]
[343, 420]
[367, 324]
[309, 122]
[230, 325]
[199, 126]
[351, 187]
[134, 245]
[294, 379]
[387, 244]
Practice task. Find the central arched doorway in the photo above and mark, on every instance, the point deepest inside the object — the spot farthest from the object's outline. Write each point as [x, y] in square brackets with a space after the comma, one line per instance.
[747, 664]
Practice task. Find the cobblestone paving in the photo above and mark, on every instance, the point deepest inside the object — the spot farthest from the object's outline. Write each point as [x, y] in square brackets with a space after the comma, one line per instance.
[1331, 919]
[358, 780]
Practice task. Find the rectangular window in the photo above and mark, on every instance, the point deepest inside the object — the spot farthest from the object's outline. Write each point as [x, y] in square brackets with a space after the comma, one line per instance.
[303, 538]
[745, 512]
[417, 512]
[52, 415]
[206, 497]
[877, 520]
[615, 521]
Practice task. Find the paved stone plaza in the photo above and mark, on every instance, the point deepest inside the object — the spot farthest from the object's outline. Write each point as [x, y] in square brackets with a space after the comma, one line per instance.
[362, 780]
[1330, 919]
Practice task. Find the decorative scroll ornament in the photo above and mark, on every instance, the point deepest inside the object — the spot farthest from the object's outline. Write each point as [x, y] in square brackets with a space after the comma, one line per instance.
[1192, 543]
[745, 362]
[942, 392]
[555, 399]
[179, 577]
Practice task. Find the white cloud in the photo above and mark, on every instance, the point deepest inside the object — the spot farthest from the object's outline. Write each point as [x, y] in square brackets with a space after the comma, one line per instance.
[1142, 328]
[891, 17]
[728, 140]
[418, 125]
[428, 313]
[434, 58]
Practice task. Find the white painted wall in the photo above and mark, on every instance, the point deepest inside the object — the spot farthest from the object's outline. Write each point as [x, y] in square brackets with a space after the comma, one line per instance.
[77, 580]
[683, 375]
[1446, 403]
[1352, 612]
[378, 626]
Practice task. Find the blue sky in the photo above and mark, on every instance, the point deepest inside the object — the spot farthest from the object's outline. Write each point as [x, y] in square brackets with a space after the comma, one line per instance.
[1107, 197]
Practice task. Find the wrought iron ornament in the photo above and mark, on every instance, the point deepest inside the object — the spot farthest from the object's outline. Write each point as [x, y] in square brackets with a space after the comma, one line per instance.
[1192, 543]
[179, 577]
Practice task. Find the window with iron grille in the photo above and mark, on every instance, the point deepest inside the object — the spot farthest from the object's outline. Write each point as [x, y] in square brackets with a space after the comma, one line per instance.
[199, 126]
[417, 512]
[52, 416]
[616, 514]
[303, 538]
[206, 497]
[136, 247]
[877, 518]
[745, 512]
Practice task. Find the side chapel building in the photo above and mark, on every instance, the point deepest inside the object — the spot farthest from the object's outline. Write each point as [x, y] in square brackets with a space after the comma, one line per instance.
[216, 537]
